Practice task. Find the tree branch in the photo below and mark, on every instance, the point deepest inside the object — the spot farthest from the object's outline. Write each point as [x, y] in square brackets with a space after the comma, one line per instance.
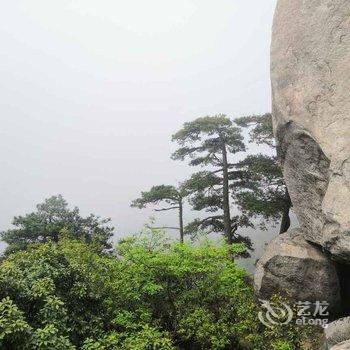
[212, 218]
[165, 227]
[216, 171]
[165, 209]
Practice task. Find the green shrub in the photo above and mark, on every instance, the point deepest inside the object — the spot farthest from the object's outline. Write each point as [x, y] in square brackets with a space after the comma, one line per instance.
[152, 294]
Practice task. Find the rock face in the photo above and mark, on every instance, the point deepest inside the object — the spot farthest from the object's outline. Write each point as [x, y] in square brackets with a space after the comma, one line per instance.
[295, 268]
[338, 331]
[310, 72]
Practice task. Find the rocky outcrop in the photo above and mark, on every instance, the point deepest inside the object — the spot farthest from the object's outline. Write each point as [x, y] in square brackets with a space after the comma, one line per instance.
[310, 73]
[337, 331]
[296, 269]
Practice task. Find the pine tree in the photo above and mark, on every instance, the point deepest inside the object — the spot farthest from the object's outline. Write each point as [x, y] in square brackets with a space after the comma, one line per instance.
[263, 192]
[208, 142]
[170, 195]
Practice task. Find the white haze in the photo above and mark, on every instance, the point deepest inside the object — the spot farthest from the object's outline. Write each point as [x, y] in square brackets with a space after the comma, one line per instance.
[91, 92]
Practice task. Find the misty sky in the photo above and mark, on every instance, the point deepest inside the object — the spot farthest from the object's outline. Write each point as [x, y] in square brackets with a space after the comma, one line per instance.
[91, 92]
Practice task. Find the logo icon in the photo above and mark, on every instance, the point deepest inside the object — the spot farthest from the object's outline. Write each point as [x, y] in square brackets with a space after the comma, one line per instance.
[275, 314]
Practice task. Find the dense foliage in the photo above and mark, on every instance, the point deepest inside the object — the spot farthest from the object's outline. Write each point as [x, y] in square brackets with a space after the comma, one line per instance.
[151, 294]
[50, 220]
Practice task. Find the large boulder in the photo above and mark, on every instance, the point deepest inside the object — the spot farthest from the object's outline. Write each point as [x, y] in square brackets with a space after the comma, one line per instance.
[337, 331]
[310, 72]
[297, 269]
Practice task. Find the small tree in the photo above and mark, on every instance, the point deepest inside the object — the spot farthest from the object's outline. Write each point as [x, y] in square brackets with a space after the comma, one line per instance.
[262, 191]
[50, 220]
[208, 141]
[169, 195]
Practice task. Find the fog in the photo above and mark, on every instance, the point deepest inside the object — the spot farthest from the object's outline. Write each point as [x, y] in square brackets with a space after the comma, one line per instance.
[91, 92]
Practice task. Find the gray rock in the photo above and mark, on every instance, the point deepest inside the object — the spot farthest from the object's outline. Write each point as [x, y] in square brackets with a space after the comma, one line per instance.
[310, 73]
[297, 269]
[337, 331]
[342, 346]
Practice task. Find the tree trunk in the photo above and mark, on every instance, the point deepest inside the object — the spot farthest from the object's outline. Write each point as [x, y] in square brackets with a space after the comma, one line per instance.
[55, 236]
[181, 221]
[285, 222]
[226, 198]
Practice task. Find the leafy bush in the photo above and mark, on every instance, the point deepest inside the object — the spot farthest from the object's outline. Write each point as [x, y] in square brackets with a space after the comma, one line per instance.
[152, 294]
[52, 219]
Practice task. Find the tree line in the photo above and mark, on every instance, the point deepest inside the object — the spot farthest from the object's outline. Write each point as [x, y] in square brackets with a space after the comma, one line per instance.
[254, 184]
[64, 286]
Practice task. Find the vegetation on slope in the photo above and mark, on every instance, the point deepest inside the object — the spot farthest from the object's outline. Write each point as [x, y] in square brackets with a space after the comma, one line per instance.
[149, 294]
